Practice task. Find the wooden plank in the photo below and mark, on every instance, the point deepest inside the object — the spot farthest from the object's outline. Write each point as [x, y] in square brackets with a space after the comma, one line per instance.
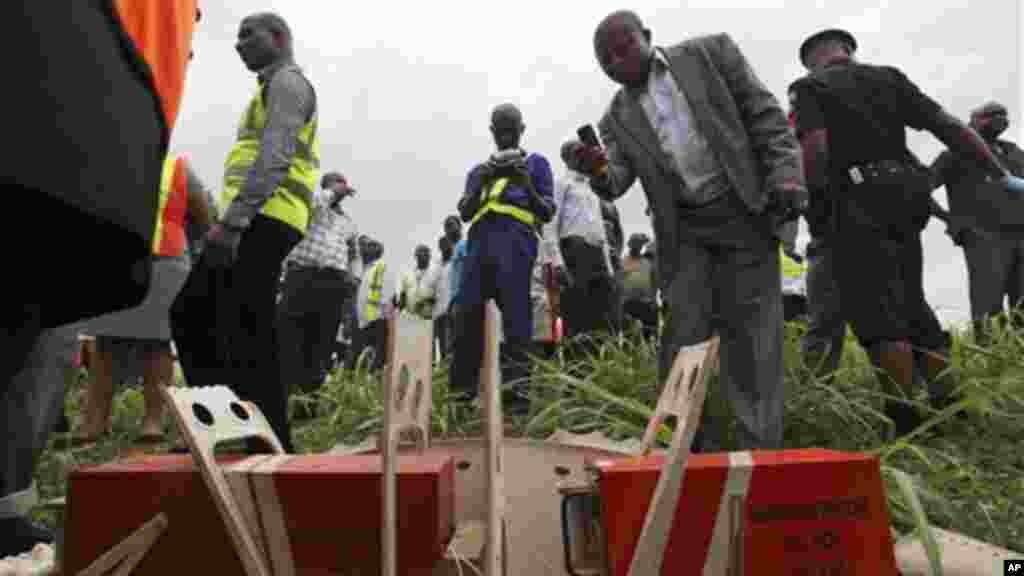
[494, 561]
[232, 420]
[683, 396]
[407, 405]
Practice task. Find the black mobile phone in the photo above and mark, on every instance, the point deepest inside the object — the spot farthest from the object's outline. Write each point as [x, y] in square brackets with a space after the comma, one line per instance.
[588, 136]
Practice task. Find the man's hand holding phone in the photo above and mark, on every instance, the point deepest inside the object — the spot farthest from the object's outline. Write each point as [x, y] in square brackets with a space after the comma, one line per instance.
[593, 160]
[591, 156]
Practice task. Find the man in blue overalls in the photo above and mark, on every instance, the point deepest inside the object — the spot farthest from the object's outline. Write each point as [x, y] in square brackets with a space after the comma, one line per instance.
[505, 201]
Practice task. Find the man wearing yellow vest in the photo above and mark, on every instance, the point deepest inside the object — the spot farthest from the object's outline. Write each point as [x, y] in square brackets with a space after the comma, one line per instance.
[99, 89]
[507, 198]
[374, 302]
[269, 179]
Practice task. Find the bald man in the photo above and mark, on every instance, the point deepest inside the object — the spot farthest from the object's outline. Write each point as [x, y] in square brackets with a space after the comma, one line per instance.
[269, 181]
[721, 169]
[994, 252]
[506, 200]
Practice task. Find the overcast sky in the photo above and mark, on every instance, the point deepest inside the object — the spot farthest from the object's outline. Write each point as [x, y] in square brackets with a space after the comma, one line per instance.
[405, 89]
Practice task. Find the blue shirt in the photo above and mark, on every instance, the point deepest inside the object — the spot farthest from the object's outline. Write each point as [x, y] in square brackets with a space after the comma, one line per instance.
[455, 273]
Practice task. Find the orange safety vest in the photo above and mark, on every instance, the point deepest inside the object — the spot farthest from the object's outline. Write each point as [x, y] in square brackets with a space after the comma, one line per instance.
[162, 33]
[169, 237]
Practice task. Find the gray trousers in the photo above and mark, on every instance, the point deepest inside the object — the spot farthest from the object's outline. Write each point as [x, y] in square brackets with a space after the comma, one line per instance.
[737, 293]
[31, 404]
[826, 325]
[995, 270]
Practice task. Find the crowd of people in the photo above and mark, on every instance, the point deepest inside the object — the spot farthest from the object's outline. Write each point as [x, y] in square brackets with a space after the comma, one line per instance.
[269, 287]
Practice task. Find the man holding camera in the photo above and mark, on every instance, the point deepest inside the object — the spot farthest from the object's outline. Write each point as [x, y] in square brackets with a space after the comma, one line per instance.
[853, 119]
[721, 169]
[506, 200]
[318, 287]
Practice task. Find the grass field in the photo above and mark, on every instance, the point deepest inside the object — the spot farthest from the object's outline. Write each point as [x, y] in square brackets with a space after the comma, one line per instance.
[968, 474]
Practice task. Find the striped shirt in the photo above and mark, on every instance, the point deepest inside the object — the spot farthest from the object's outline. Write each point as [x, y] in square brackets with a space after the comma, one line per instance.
[326, 241]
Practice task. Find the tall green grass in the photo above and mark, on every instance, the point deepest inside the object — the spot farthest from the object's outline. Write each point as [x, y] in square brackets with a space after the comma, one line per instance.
[968, 475]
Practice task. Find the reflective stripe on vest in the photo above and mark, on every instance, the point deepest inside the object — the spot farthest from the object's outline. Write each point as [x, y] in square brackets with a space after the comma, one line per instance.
[491, 204]
[162, 33]
[169, 237]
[791, 268]
[291, 202]
[373, 299]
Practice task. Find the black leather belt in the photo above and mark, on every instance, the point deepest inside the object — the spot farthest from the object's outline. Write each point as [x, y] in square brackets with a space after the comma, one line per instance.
[862, 172]
[293, 266]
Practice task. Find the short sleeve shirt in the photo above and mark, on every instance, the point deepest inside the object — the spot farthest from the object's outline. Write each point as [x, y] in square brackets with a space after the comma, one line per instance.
[827, 100]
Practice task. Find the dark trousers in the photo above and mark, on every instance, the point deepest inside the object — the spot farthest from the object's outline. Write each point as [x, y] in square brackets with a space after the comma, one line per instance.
[646, 313]
[441, 330]
[309, 314]
[498, 265]
[588, 305]
[230, 336]
[881, 282]
[736, 292]
[31, 403]
[826, 324]
[373, 337]
[995, 271]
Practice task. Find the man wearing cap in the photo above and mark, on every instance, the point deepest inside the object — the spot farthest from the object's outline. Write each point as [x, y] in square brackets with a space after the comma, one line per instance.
[506, 200]
[721, 169]
[318, 287]
[853, 120]
[994, 254]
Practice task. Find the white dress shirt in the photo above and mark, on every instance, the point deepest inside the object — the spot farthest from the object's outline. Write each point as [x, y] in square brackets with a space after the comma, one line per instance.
[672, 118]
[435, 286]
[577, 213]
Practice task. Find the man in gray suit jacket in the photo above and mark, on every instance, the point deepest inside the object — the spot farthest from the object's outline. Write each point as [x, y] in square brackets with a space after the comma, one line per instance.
[722, 170]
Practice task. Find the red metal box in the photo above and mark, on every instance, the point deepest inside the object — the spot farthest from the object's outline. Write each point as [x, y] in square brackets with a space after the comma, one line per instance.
[331, 506]
[805, 512]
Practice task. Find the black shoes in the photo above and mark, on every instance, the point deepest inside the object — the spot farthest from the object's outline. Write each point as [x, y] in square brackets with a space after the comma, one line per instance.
[904, 417]
[20, 534]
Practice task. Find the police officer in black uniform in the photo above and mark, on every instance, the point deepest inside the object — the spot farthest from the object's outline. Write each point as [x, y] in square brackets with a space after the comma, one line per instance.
[853, 119]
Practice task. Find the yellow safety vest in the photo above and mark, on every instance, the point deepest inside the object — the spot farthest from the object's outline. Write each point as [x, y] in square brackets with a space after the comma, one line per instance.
[791, 268]
[373, 300]
[169, 236]
[492, 204]
[291, 201]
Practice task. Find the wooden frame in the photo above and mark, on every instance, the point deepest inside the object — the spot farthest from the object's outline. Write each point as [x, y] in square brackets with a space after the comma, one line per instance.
[408, 401]
[122, 559]
[494, 560]
[682, 397]
[229, 419]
